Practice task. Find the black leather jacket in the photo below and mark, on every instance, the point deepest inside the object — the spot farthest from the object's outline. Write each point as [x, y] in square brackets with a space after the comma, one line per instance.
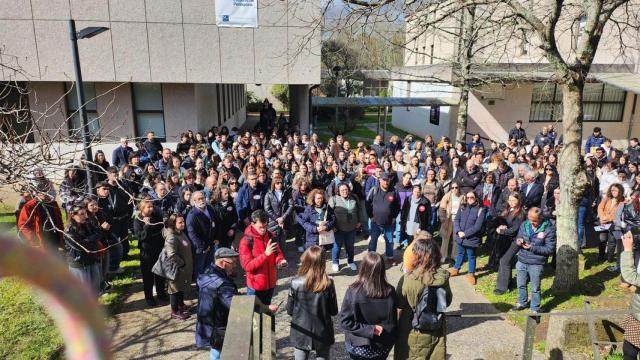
[311, 324]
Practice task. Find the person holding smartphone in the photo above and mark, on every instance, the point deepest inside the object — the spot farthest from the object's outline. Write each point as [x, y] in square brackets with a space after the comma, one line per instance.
[260, 255]
[537, 241]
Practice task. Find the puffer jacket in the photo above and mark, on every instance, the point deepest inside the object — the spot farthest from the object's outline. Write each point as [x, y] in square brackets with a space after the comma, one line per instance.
[311, 324]
[542, 239]
[414, 344]
[260, 268]
[469, 220]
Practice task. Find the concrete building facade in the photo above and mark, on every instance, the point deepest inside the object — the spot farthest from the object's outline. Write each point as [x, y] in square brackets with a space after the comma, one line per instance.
[523, 87]
[164, 65]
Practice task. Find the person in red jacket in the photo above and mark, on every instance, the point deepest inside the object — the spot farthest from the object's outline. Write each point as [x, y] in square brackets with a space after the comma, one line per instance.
[259, 257]
[40, 221]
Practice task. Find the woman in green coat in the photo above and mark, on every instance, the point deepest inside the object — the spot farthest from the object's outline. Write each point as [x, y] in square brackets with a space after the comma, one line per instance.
[427, 271]
[178, 249]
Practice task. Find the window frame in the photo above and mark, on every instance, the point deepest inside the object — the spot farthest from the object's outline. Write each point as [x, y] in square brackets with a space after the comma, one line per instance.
[69, 90]
[136, 112]
[553, 102]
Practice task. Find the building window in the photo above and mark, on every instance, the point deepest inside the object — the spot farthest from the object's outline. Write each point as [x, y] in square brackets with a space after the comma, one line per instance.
[91, 108]
[602, 103]
[148, 109]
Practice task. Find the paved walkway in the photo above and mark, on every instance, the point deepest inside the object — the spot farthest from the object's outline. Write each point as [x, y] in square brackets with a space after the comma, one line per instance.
[143, 333]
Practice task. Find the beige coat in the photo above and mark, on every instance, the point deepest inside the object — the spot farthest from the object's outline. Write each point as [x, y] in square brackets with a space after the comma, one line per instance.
[178, 249]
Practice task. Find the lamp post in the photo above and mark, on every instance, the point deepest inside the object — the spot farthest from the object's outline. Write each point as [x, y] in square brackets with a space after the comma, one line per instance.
[85, 33]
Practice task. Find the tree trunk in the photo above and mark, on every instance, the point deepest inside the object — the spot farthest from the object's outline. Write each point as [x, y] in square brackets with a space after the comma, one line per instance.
[464, 60]
[463, 115]
[572, 184]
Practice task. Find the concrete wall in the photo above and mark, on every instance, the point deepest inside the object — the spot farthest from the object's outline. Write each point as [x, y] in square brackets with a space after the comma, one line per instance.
[416, 119]
[186, 106]
[162, 41]
[495, 120]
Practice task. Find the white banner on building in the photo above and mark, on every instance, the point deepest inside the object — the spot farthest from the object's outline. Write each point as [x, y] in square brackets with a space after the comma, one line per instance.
[237, 13]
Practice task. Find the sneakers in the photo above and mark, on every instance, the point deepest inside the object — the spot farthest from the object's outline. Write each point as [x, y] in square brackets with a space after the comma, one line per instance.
[300, 249]
[453, 272]
[518, 307]
[179, 316]
[498, 292]
[353, 266]
[471, 278]
[335, 267]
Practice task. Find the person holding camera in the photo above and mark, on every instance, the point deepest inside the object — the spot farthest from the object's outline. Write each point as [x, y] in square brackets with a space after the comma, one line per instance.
[537, 241]
[260, 254]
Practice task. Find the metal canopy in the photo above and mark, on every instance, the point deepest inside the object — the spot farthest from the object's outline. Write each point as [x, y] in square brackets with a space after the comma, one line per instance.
[381, 101]
[625, 81]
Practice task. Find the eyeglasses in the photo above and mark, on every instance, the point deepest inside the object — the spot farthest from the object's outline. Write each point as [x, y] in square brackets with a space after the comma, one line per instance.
[455, 187]
[470, 197]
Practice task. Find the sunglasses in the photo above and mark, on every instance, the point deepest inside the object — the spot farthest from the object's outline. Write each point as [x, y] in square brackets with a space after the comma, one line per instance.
[471, 197]
[455, 187]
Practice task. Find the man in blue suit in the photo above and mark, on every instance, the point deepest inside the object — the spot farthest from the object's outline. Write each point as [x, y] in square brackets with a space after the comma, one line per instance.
[531, 191]
[120, 155]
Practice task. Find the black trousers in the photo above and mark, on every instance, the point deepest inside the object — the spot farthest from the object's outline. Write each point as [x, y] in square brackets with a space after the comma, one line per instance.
[147, 260]
[176, 300]
[506, 264]
[629, 351]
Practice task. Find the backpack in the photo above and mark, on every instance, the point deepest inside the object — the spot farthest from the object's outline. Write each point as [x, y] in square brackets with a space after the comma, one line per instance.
[429, 312]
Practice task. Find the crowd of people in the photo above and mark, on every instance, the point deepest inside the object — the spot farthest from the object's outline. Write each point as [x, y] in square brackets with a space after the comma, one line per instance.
[435, 204]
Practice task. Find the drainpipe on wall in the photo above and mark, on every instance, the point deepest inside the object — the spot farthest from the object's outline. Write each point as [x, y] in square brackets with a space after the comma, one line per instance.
[633, 113]
[311, 121]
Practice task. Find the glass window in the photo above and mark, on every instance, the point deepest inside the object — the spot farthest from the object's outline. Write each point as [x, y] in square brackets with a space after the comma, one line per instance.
[91, 108]
[148, 109]
[602, 102]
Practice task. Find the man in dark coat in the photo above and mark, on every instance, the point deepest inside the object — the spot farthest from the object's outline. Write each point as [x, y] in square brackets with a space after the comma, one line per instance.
[120, 155]
[383, 206]
[217, 289]
[531, 191]
[201, 231]
[250, 198]
[518, 133]
[153, 146]
[469, 178]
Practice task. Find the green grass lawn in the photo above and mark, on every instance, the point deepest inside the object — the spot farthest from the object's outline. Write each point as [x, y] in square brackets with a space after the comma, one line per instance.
[26, 330]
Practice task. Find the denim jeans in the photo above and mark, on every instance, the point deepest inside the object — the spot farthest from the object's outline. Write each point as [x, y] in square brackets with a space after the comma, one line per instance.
[534, 273]
[343, 238]
[397, 232]
[471, 256]
[89, 275]
[387, 231]
[582, 214]
[264, 295]
[433, 224]
[214, 354]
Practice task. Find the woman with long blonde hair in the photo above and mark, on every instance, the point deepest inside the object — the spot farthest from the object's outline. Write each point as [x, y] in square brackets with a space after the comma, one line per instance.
[311, 304]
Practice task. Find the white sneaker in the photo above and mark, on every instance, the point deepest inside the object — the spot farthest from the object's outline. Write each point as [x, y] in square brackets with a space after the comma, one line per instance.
[300, 249]
[335, 267]
[353, 266]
